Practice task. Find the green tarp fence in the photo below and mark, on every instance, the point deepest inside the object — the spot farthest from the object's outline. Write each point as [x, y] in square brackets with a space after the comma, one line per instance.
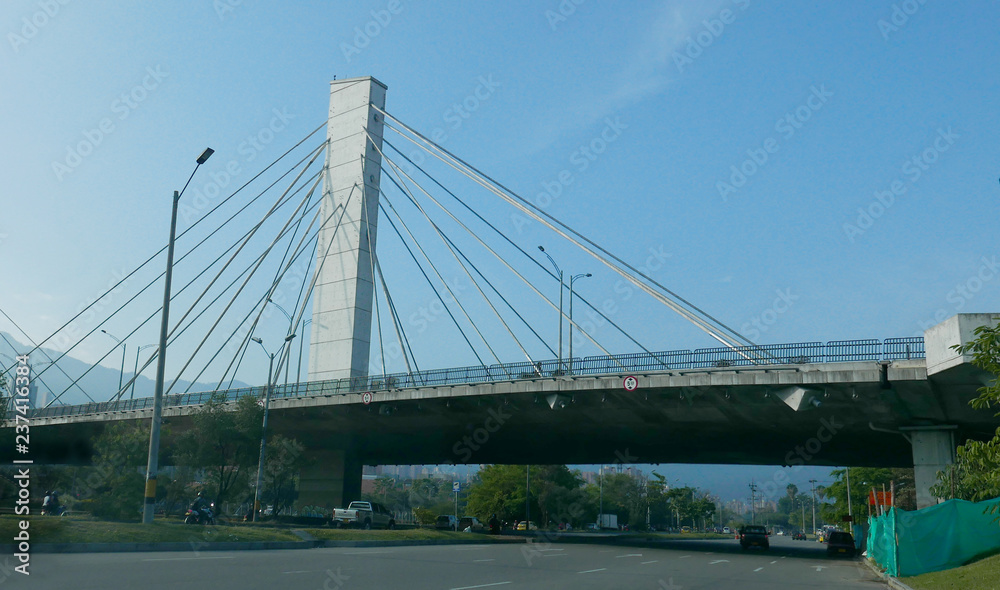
[937, 538]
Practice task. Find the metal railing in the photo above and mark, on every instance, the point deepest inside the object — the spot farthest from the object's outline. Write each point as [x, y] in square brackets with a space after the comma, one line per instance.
[616, 364]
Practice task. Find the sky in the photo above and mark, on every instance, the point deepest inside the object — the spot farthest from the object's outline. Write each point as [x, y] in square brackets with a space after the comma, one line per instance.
[800, 172]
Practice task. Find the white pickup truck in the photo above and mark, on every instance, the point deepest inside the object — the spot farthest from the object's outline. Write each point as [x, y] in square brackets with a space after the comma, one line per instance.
[365, 515]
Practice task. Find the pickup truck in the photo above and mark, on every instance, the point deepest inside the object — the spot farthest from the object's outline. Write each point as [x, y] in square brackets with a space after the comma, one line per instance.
[365, 515]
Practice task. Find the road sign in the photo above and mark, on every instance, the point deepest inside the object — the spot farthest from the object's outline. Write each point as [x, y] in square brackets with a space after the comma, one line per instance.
[456, 486]
[630, 383]
[366, 397]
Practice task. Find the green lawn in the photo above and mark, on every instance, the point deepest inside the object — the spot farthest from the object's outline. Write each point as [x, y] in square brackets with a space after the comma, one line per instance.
[980, 575]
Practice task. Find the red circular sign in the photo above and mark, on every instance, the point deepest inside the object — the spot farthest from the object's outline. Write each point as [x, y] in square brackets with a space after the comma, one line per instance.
[366, 397]
[630, 383]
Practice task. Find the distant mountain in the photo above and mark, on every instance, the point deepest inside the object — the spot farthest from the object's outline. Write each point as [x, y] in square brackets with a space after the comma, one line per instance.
[101, 383]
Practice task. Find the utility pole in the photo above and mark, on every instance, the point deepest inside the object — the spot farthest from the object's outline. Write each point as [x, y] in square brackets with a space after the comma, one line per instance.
[850, 511]
[813, 482]
[753, 502]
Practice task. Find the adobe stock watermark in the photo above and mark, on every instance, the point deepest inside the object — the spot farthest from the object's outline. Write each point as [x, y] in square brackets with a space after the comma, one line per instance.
[470, 443]
[122, 107]
[251, 147]
[563, 11]
[787, 126]
[224, 7]
[964, 292]
[77, 329]
[363, 36]
[712, 29]
[760, 324]
[911, 171]
[593, 322]
[580, 160]
[33, 24]
[800, 456]
[899, 17]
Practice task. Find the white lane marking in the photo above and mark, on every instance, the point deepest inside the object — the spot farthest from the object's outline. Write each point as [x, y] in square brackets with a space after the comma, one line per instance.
[592, 571]
[628, 555]
[550, 549]
[648, 562]
[366, 552]
[481, 586]
[298, 572]
[187, 558]
[683, 557]
[758, 569]
[719, 561]
[784, 557]
[556, 555]
[477, 560]
[820, 567]
[774, 562]
[469, 548]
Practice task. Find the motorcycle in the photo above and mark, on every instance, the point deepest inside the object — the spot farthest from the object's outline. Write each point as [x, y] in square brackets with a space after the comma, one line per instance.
[204, 516]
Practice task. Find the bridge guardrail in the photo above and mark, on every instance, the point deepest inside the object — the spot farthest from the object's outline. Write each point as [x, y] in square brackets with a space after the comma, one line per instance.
[639, 362]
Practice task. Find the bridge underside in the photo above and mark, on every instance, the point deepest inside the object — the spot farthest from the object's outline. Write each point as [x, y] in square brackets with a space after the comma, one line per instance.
[718, 416]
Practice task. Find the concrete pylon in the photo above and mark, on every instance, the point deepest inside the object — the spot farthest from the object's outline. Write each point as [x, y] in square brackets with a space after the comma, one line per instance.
[342, 298]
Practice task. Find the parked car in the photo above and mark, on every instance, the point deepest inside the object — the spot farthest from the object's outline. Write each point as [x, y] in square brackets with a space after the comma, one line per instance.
[685, 529]
[799, 536]
[752, 535]
[840, 543]
[726, 530]
[446, 522]
[471, 524]
[592, 526]
[365, 515]
[526, 526]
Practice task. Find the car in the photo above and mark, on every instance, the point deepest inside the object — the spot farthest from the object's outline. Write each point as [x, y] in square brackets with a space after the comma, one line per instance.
[685, 529]
[526, 526]
[471, 524]
[726, 530]
[592, 526]
[753, 535]
[840, 543]
[799, 536]
[446, 522]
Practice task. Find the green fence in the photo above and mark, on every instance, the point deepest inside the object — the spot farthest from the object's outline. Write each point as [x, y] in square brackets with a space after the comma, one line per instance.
[937, 538]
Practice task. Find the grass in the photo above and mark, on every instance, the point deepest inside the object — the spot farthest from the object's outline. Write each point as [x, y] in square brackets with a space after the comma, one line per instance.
[979, 575]
[395, 535]
[73, 529]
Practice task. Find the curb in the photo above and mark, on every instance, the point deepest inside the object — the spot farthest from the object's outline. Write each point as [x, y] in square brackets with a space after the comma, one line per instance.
[195, 546]
[892, 582]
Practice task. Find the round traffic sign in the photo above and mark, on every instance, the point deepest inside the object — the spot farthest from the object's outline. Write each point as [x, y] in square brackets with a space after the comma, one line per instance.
[366, 397]
[630, 383]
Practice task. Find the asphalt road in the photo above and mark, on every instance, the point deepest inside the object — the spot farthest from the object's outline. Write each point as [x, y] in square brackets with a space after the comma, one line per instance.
[678, 565]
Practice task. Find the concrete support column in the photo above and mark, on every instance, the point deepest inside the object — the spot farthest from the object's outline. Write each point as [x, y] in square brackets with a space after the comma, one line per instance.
[332, 481]
[342, 300]
[933, 451]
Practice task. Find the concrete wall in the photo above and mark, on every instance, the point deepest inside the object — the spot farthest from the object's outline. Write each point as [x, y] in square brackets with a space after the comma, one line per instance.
[958, 329]
[342, 299]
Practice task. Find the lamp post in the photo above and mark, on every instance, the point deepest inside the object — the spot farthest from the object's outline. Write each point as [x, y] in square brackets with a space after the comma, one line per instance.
[263, 431]
[121, 373]
[298, 367]
[282, 310]
[152, 464]
[527, 498]
[560, 273]
[813, 482]
[135, 373]
[571, 279]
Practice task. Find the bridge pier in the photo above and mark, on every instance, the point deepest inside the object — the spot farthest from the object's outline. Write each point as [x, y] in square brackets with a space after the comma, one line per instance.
[933, 451]
[332, 480]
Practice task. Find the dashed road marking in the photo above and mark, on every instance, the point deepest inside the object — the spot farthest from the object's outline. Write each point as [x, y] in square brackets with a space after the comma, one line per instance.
[481, 586]
[592, 571]
[648, 562]
[758, 569]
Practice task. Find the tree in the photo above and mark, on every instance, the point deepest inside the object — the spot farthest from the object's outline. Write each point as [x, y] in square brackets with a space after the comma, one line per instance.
[114, 487]
[500, 492]
[863, 479]
[976, 473]
[285, 459]
[225, 442]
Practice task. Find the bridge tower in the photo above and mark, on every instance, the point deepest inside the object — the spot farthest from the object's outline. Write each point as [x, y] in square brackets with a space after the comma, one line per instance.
[342, 299]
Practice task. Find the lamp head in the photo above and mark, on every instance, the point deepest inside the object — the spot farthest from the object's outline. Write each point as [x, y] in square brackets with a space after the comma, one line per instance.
[542, 249]
[205, 155]
[257, 340]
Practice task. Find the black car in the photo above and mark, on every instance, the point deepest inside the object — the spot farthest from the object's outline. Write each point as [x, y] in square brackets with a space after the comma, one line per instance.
[840, 543]
[753, 535]
[799, 536]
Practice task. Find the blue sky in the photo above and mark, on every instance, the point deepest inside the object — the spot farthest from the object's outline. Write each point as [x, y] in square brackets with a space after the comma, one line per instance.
[751, 154]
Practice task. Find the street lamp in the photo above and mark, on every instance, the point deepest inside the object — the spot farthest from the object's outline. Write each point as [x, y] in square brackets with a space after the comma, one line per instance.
[571, 279]
[560, 273]
[152, 462]
[122, 372]
[813, 482]
[263, 431]
[287, 339]
[135, 371]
